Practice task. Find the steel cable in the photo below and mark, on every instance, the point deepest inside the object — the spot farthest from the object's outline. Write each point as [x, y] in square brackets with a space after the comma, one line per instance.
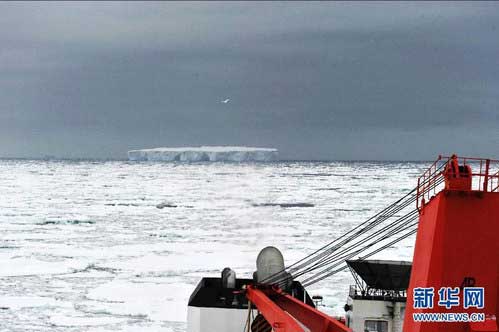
[323, 256]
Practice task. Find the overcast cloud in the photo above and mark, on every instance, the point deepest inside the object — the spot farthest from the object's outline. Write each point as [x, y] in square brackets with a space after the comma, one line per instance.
[321, 80]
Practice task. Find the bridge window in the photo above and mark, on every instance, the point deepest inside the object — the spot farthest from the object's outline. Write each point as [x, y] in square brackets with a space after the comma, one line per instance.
[376, 326]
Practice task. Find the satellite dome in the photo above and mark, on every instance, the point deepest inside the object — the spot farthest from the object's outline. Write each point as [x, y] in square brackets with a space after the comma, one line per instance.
[268, 263]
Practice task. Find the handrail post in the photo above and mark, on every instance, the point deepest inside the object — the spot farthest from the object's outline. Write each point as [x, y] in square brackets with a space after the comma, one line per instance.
[486, 179]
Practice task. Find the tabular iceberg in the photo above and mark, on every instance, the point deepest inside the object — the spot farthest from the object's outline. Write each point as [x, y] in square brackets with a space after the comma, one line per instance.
[204, 153]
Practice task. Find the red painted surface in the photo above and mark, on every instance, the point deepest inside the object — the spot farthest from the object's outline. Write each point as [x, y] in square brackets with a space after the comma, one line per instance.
[312, 318]
[282, 311]
[458, 238]
[275, 316]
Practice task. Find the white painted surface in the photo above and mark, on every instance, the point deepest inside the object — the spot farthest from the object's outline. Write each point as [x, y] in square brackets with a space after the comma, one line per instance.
[375, 310]
[398, 316]
[201, 319]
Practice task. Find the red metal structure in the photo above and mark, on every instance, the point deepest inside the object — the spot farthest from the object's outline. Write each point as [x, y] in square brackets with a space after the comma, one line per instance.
[457, 242]
[287, 314]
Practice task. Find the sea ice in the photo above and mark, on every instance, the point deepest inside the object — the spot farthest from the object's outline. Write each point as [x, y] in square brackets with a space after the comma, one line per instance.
[22, 266]
[19, 302]
[204, 153]
[154, 301]
[83, 243]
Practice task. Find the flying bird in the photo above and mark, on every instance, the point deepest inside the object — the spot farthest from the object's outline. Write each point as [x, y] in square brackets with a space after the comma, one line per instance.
[225, 101]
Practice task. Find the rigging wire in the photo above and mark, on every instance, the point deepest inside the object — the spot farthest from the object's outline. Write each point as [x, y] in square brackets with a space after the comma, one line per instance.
[324, 249]
[373, 238]
[323, 257]
[311, 282]
[412, 213]
[391, 229]
[380, 235]
[350, 252]
[409, 225]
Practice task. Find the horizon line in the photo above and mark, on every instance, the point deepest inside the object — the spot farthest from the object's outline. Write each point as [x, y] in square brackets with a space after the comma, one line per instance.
[169, 162]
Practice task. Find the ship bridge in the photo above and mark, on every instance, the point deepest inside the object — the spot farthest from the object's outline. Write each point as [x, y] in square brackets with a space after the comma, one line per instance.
[380, 279]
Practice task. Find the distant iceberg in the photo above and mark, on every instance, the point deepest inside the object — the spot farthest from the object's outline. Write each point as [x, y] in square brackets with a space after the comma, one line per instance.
[205, 153]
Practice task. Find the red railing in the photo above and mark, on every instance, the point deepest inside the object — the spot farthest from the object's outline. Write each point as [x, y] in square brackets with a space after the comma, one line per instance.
[432, 181]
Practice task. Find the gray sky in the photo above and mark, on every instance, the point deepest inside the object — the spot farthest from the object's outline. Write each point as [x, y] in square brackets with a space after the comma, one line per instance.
[324, 80]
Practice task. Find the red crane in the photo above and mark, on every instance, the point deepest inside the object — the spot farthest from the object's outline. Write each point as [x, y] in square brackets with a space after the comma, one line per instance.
[284, 313]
